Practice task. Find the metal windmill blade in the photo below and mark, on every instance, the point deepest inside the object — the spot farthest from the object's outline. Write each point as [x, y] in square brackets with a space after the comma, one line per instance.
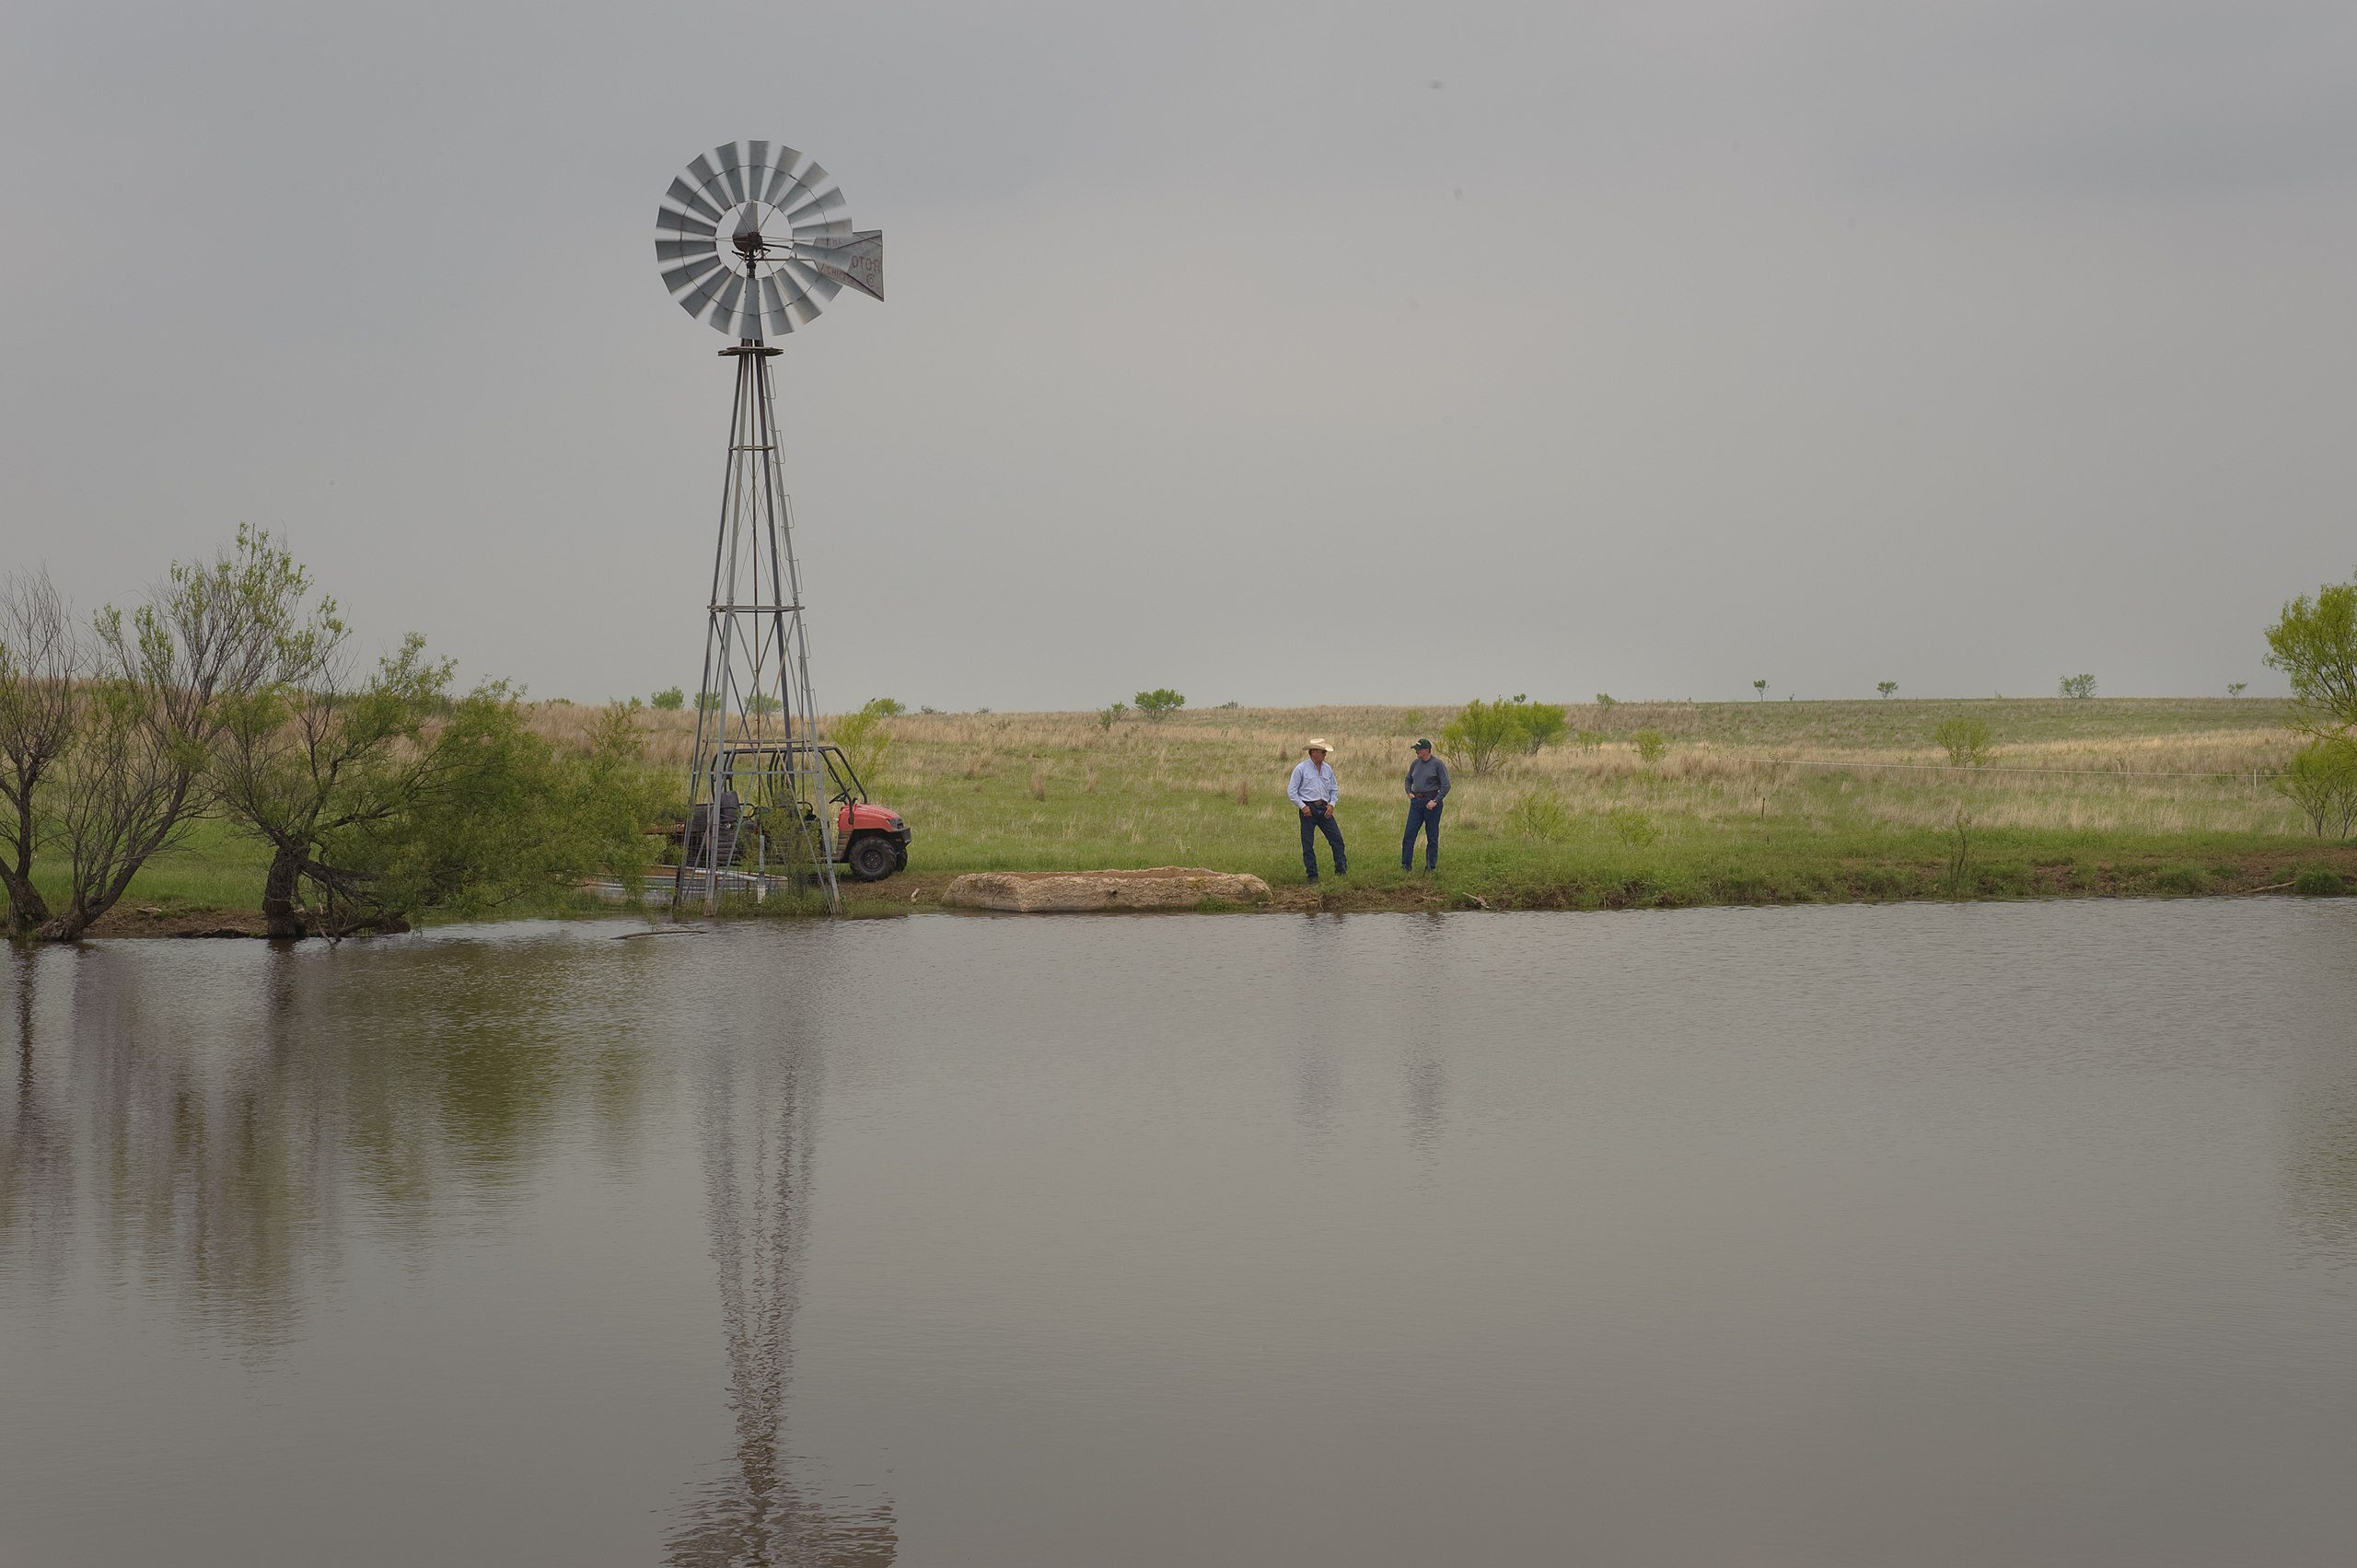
[754, 241]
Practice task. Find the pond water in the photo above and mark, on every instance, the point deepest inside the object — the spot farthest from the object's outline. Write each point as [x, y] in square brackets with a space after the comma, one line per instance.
[2017, 1234]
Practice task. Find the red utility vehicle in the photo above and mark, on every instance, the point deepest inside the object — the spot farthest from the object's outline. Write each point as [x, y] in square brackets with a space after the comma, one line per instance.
[871, 841]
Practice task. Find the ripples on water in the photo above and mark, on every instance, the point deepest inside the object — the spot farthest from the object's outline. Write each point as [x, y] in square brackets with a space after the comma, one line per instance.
[1924, 1234]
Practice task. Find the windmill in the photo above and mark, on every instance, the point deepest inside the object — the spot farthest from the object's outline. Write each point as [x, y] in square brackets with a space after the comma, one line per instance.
[753, 241]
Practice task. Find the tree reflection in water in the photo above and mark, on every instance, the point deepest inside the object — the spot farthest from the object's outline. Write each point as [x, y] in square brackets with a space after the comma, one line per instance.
[756, 1115]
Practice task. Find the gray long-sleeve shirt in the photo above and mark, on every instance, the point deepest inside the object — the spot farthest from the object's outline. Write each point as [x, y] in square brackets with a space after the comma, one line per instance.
[1428, 775]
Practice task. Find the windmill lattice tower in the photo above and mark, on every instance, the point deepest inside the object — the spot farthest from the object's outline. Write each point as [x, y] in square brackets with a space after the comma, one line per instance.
[752, 240]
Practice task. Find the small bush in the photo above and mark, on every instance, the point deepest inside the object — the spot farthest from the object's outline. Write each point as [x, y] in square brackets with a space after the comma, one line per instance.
[1542, 724]
[1589, 739]
[761, 702]
[1539, 815]
[1652, 746]
[866, 744]
[2181, 880]
[886, 707]
[2321, 780]
[1632, 827]
[670, 699]
[2080, 685]
[1966, 740]
[1159, 704]
[2319, 882]
[1110, 715]
[1482, 735]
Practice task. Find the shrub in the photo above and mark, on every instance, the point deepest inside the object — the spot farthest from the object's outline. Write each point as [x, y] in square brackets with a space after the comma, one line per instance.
[2237, 688]
[866, 744]
[1482, 734]
[2082, 685]
[670, 699]
[707, 702]
[1652, 746]
[1966, 740]
[1542, 724]
[1110, 715]
[1604, 701]
[1589, 739]
[1159, 704]
[761, 702]
[2319, 882]
[2321, 780]
[1632, 827]
[1886, 687]
[1539, 815]
[886, 707]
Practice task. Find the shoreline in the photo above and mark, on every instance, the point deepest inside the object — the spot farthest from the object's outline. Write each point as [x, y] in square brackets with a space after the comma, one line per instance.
[2244, 875]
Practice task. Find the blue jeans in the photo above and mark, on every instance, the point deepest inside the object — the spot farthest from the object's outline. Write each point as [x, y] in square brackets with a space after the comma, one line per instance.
[1311, 826]
[1424, 814]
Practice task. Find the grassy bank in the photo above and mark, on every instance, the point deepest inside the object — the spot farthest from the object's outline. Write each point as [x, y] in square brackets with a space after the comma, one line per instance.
[1751, 803]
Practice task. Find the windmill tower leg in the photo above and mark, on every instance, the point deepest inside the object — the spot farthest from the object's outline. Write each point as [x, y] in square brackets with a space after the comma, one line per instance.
[756, 766]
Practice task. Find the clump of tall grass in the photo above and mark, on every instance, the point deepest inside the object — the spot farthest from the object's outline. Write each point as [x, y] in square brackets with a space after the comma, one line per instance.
[1632, 827]
[1539, 816]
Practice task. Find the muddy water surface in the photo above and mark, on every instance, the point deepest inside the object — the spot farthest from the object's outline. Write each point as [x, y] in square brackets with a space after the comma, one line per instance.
[1917, 1234]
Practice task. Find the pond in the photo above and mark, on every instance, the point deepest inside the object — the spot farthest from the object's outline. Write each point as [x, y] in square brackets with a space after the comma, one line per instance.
[1921, 1234]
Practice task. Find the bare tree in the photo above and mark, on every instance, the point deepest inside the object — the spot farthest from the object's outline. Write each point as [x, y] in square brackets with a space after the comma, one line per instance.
[41, 660]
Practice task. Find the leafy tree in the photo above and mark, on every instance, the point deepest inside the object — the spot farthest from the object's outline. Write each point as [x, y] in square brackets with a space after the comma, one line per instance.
[670, 699]
[2237, 688]
[1159, 704]
[1760, 686]
[707, 702]
[2321, 780]
[1483, 734]
[1886, 687]
[149, 714]
[1604, 701]
[762, 703]
[884, 707]
[2315, 645]
[2080, 685]
[41, 657]
[1966, 740]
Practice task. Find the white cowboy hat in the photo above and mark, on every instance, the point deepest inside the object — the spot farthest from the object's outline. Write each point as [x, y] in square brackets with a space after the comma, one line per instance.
[1320, 746]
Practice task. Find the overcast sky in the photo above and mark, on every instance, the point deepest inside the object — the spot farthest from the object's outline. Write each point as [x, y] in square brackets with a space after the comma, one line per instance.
[1280, 353]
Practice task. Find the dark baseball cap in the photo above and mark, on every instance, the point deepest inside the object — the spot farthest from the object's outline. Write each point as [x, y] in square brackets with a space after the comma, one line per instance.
[1423, 746]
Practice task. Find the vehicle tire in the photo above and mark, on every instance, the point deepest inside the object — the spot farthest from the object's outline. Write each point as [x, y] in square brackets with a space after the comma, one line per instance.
[873, 858]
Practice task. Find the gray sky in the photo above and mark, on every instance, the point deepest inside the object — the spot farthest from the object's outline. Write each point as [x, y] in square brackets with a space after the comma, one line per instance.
[1283, 353]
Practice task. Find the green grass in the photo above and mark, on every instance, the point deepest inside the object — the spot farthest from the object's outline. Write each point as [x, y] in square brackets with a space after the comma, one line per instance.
[1726, 816]
[214, 868]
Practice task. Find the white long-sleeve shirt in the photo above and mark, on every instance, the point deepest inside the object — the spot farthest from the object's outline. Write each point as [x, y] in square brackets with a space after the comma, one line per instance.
[1312, 781]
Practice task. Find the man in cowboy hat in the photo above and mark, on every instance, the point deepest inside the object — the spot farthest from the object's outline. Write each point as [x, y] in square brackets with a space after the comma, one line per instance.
[1312, 788]
[1427, 787]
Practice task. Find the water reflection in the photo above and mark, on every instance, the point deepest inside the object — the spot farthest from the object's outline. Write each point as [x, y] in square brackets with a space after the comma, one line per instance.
[755, 1121]
[218, 1131]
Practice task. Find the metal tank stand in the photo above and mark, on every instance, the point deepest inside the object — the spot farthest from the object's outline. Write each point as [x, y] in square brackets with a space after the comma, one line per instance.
[758, 791]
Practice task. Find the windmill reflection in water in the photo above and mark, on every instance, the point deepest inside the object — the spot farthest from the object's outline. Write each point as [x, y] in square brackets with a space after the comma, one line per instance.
[756, 1115]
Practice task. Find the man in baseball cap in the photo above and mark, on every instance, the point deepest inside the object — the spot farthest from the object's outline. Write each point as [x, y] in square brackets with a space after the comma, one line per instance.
[1427, 787]
[1312, 788]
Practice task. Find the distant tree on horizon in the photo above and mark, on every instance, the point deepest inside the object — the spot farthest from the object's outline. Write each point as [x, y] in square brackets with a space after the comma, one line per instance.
[2080, 685]
[1760, 686]
[1886, 687]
